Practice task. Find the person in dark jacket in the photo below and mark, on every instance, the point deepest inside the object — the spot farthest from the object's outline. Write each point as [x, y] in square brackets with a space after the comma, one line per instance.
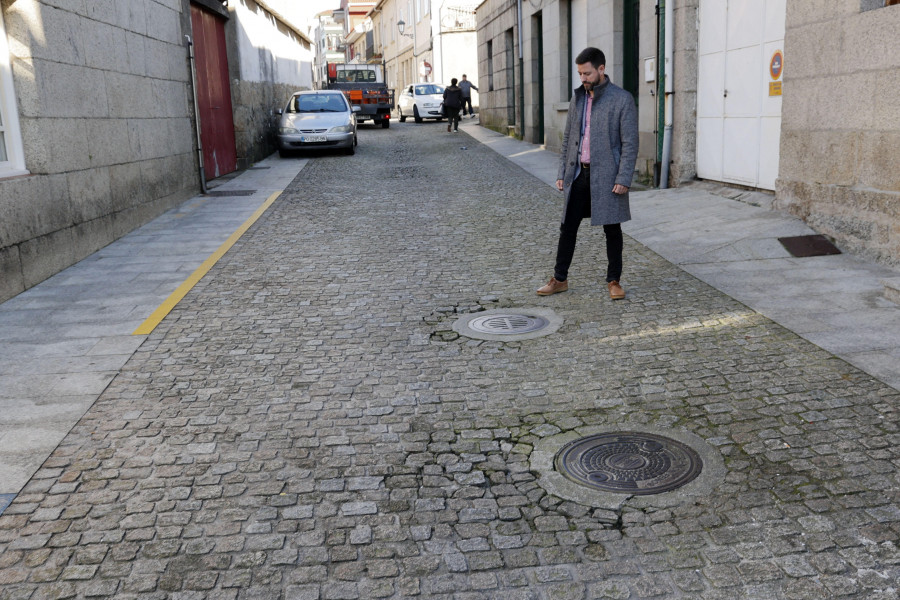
[599, 151]
[453, 100]
[467, 86]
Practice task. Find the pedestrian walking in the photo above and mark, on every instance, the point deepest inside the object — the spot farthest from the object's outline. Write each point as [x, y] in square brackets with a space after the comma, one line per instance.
[467, 86]
[596, 166]
[452, 104]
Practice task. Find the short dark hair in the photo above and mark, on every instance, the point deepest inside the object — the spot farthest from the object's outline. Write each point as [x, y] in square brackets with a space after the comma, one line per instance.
[591, 55]
[464, 74]
[453, 81]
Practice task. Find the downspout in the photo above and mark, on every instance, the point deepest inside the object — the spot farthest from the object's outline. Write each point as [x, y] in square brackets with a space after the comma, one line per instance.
[669, 25]
[441, 42]
[521, 75]
[190, 45]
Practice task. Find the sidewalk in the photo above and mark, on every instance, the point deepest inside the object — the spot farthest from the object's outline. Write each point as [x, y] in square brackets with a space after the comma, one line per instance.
[727, 238]
[64, 340]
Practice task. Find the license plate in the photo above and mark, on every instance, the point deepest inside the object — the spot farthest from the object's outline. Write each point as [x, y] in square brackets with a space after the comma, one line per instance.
[313, 138]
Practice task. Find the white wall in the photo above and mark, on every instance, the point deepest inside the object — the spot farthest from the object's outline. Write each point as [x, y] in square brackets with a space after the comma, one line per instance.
[269, 51]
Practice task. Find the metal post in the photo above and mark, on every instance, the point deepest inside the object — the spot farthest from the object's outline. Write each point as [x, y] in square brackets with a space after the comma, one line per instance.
[190, 45]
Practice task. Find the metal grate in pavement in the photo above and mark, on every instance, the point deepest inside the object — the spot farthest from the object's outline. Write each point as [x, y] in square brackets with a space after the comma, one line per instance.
[803, 246]
[230, 193]
[508, 324]
[629, 463]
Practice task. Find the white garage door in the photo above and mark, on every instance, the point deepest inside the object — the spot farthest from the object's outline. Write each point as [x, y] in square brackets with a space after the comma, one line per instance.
[738, 93]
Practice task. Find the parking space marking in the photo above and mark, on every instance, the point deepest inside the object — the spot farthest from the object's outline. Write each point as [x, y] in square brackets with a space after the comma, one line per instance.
[181, 291]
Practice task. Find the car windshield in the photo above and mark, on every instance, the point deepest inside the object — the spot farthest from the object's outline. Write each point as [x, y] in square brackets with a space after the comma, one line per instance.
[317, 103]
[425, 90]
[356, 76]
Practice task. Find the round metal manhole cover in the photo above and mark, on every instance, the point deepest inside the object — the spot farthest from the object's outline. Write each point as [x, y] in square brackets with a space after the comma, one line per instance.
[629, 463]
[508, 324]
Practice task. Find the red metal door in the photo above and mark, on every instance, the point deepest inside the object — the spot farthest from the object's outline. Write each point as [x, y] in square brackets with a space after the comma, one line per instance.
[213, 93]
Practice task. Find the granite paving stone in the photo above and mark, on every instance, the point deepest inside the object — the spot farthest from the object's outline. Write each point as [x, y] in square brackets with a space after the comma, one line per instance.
[305, 424]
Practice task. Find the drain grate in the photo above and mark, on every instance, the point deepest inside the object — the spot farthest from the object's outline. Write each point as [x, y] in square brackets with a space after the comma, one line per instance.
[629, 463]
[508, 324]
[231, 192]
[258, 168]
[803, 246]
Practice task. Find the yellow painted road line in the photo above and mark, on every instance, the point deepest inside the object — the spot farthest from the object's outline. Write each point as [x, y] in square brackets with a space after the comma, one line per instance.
[181, 291]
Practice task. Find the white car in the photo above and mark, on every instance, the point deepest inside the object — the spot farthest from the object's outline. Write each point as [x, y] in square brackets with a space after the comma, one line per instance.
[421, 101]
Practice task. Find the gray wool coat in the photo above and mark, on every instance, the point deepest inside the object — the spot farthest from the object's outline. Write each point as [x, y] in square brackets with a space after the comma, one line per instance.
[614, 148]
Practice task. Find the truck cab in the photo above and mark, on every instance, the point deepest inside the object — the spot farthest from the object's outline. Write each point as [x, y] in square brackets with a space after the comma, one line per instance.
[364, 86]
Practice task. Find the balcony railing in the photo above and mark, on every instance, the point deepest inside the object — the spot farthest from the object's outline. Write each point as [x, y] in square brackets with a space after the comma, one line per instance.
[455, 18]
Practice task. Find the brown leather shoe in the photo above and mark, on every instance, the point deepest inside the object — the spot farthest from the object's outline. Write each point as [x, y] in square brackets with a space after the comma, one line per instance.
[615, 290]
[554, 287]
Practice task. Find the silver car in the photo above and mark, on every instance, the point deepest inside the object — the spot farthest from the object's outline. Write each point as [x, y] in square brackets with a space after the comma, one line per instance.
[320, 119]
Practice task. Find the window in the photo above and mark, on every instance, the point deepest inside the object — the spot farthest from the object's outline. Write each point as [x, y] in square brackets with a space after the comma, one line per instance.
[490, 65]
[12, 156]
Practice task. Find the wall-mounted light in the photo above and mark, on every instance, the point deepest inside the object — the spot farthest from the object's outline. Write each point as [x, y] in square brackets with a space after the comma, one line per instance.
[401, 26]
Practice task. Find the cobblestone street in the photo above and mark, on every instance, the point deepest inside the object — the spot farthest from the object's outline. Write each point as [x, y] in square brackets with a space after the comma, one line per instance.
[307, 424]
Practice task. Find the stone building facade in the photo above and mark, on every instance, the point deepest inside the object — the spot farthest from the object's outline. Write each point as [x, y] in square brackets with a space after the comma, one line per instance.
[268, 59]
[840, 143]
[98, 133]
[798, 98]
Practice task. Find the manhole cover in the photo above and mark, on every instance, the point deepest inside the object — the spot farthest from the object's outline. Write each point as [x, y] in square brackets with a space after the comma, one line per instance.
[508, 324]
[230, 192]
[803, 246]
[628, 463]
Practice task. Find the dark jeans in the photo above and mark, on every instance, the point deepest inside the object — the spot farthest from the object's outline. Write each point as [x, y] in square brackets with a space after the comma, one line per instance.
[467, 100]
[580, 208]
[452, 116]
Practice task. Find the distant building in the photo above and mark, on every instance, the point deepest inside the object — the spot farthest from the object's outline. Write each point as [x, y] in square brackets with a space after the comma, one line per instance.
[426, 40]
[328, 36]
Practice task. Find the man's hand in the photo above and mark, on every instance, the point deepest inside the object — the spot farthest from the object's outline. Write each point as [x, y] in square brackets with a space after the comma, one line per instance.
[619, 189]
[559, 184]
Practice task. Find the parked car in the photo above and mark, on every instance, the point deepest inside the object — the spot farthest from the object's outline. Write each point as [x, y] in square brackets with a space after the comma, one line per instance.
[421, 101]
[317, 119]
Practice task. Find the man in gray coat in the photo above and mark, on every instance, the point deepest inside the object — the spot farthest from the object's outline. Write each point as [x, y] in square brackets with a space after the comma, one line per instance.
[599, 151]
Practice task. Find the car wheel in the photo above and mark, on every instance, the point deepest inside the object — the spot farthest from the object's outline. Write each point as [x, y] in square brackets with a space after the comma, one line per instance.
[416, 116]
[385, 123]
[284, 153]
[402, 116]
[350, 150]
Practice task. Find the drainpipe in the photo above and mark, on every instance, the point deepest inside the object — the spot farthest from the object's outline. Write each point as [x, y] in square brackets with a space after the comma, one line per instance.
[521, 75]
[190, 45]
[441, 41]
[669, 25]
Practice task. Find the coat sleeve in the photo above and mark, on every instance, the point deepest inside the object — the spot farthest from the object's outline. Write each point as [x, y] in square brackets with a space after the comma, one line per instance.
[561, 172]
[628, 128]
